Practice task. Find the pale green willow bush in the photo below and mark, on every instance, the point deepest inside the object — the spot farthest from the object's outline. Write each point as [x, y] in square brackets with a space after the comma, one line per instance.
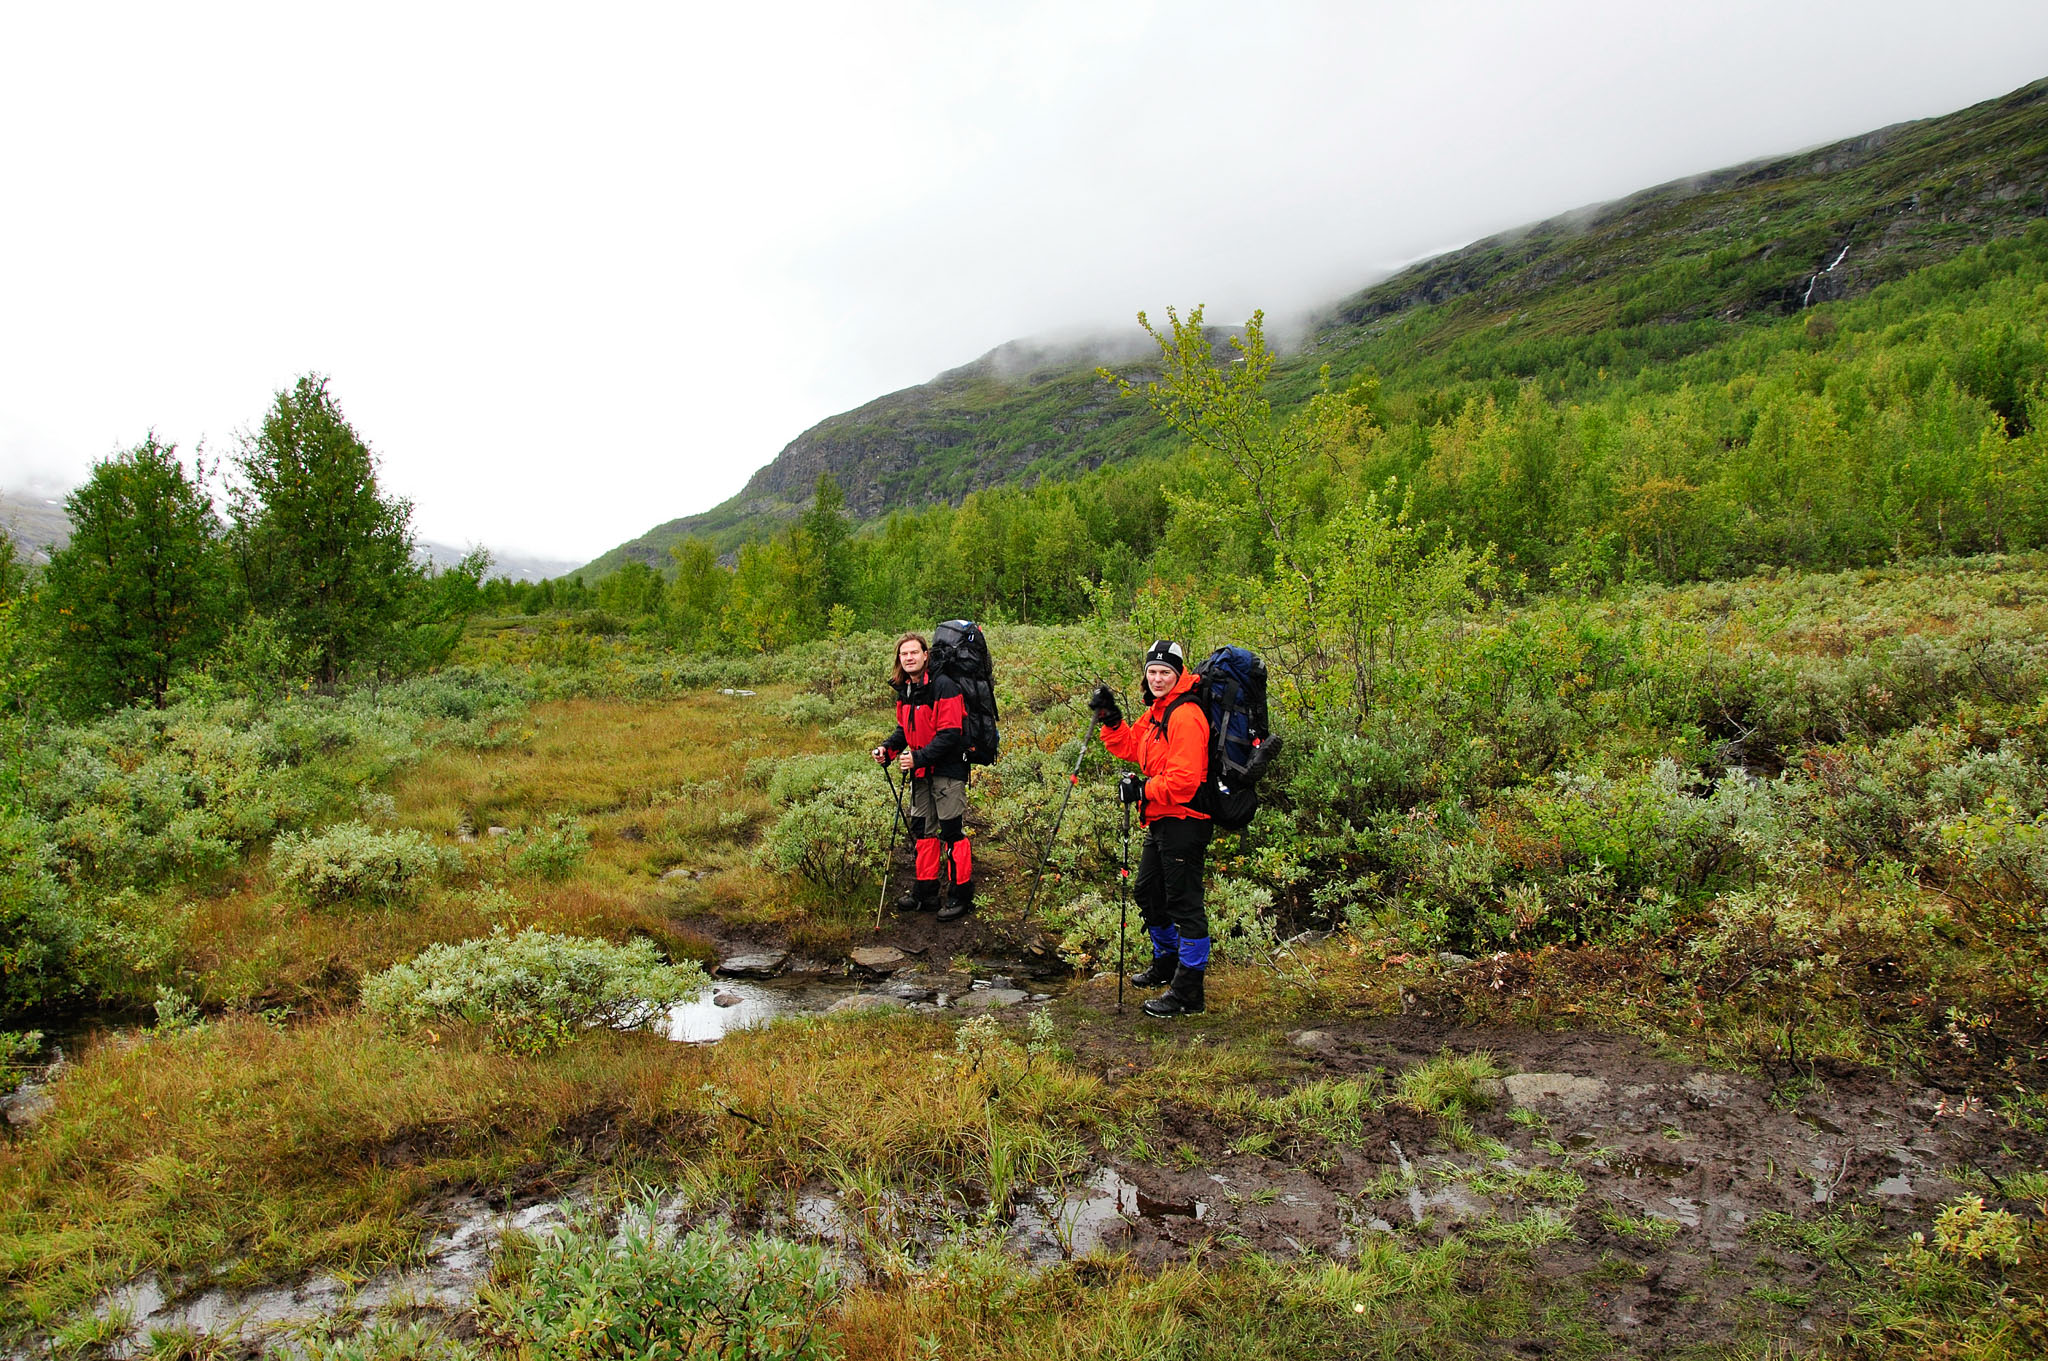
[552, 851]
[355, 862]
[531, 991]
[645, 1292]
[792, 778]
[835, 839]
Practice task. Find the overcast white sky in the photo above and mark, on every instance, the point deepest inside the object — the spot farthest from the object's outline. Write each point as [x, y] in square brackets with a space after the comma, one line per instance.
[575, 270]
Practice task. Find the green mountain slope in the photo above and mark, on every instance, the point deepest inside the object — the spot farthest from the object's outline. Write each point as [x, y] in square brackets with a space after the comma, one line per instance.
[1568, 302]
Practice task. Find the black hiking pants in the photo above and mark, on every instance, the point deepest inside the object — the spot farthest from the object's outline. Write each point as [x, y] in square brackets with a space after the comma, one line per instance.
[1169, 885]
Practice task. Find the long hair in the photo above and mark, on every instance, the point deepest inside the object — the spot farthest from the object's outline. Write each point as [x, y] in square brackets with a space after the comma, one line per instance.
[896, 655]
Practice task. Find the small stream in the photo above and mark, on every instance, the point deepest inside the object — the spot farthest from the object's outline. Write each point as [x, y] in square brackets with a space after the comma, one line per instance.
[703, 1020]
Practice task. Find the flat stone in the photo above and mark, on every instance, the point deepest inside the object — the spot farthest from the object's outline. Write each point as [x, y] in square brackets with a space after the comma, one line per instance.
[727, 999]
[877, 958]
[864, 1001]
[909, 992]
[989, 999]
[671, 875]
[1490, 1089]
[26, 1106]
[1556, 1089]
[1002, 981]
[765, 964]
[1315, 1041]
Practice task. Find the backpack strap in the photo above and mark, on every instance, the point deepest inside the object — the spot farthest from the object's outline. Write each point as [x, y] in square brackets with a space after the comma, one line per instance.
[1167, 716]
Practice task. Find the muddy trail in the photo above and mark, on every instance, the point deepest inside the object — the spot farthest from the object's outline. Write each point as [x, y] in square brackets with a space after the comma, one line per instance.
[1700, 1204]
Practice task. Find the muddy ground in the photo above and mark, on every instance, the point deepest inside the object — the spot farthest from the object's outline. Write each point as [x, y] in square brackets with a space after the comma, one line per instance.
[1717, 1157]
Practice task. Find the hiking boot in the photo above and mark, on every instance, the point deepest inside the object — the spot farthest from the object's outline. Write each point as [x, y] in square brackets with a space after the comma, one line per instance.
[922, 897]
[1158, 973]
[1184, 998]
[959, 902]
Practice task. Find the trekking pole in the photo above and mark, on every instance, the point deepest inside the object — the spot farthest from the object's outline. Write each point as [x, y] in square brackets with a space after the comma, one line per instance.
[902, 819]
[1073, 778]
[1123, 880]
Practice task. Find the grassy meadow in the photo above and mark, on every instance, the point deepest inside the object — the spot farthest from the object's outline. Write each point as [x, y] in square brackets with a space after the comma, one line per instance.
[1517, 860]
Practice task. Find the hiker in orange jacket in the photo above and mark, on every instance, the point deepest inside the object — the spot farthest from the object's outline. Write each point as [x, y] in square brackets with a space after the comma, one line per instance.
[1170, 745]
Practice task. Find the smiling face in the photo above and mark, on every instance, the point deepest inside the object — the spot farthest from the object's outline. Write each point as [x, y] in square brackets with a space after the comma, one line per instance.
[910, 656]
[1159, 678]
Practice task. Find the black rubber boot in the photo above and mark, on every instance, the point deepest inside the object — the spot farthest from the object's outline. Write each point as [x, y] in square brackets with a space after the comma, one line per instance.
[1158, 973]
[922, 897]
[1184, 998]
[959, 902]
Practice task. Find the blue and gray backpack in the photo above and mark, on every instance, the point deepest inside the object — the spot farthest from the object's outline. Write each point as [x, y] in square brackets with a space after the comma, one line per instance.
[1231, 688]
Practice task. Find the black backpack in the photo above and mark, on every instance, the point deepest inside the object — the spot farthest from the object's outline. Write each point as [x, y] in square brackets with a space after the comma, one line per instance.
[1231, 688]
[960, 653]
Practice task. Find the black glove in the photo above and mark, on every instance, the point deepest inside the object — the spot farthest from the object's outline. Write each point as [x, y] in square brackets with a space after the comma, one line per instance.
[1131, 789]
[1102, 703]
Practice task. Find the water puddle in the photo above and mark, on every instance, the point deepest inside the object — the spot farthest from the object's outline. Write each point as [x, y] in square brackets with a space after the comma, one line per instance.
[703, 1020]
[1055, 1227]
[1639, 1165]
[1822, 1125]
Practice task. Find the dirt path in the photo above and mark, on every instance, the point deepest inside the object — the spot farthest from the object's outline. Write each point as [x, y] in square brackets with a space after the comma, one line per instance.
[1695, 1202]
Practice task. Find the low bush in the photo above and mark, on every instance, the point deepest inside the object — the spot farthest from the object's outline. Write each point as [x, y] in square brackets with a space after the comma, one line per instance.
[644, 1292]
[836, 838]
[354, 862]
[39, 933]
[794, 778]
[552, 851]
[532, 991]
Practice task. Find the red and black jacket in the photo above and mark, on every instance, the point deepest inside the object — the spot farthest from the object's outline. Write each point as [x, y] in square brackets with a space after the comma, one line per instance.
[931, 720]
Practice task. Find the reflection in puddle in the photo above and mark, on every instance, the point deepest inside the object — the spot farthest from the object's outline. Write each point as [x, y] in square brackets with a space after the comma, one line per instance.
[1641, 1164]
[1075, 1224]
[1823, 1125]
[702, 1020]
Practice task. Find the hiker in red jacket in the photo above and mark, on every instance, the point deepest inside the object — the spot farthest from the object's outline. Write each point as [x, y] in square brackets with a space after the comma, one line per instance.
[1170, 743]
[930, 746]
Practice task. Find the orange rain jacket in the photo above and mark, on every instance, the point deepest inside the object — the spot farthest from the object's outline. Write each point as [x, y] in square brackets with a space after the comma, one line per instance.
[1172, 752]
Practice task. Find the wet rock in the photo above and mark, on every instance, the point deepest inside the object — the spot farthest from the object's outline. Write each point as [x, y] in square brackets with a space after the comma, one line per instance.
[765, 964]
[727, 999]
[990, 999]
[1315, 1041]
[1568, 1090]
[1003, 981]
[736, 692]
[909, 992]
[877, 958]
[25, 1107]
[864, 1001]
[669, 876]
[1041, 997]
[1491, 1090]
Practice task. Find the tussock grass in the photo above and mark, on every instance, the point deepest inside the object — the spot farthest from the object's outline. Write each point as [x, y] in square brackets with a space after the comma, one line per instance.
[1448, 1084]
